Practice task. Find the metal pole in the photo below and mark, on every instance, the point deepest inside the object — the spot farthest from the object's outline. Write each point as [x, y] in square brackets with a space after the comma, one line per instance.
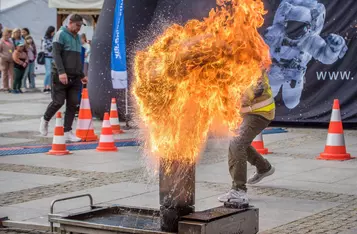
[126, 101]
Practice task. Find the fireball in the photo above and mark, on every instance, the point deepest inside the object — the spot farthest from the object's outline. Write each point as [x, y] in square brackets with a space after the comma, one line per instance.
[197, 73]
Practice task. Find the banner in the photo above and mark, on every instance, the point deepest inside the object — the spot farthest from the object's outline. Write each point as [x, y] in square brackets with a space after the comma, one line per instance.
[313, 45]
[118, 55]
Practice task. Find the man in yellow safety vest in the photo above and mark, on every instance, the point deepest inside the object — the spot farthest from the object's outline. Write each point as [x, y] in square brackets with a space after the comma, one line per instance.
[258, 110]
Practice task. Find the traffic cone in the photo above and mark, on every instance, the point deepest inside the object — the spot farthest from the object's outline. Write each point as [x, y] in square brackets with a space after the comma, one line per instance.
[85, 129]
[114, 118]
[258, 144]
[106, 141]
[59, 142]
[335, 148]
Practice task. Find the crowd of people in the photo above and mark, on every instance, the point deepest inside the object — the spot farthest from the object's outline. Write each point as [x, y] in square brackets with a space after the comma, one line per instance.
[18, 55]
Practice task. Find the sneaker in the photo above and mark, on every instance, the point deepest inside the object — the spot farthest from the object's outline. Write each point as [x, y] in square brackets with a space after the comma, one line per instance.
[256, 177]
[70, 137]
[235, 196]
[48, 91]
[14, 91]
[20, 91]
[43, 127]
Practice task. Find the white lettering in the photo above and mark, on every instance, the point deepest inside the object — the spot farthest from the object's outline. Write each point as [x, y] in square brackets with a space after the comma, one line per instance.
[321, 75]
[334, 75]
[117, 32]
[345, 75]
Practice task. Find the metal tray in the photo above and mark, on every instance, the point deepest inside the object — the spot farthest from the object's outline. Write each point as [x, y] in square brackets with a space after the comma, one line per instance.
[115, 218]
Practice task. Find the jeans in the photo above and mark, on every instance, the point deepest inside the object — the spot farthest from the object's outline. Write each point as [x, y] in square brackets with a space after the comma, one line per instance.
[30, 74]
[23, 82]
[241, 151]
[18, 75]
[60, 94]
[48, 62]
[85, 68]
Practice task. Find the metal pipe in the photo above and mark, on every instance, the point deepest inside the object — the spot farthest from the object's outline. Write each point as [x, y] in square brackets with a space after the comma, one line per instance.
[69, 198]
[177, 192]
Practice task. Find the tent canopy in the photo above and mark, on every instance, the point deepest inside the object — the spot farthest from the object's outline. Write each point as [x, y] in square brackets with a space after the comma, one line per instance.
[8, 4]
[75, 4]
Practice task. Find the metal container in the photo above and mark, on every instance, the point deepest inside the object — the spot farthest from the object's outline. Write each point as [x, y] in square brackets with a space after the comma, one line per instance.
[177, 192]
[125, 220]
[114, 219]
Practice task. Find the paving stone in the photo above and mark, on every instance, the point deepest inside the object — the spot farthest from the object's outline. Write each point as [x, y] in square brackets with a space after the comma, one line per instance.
[341, 217]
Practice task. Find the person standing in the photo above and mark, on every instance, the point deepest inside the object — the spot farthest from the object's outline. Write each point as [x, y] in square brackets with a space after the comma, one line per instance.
[67, 76]
[20, 63]
[0, 39]
[16, 36]
[6, 61]
[46, 45]
[87, 53]
[24, 33]
[0, 30]
[30, 70]
[258, 110]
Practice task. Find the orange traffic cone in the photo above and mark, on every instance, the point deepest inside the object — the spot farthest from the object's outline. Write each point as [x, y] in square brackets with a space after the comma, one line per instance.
[106, 141]
[258, 144]
[335, 148]
[85, 129]
[59, 142]
[114, 118]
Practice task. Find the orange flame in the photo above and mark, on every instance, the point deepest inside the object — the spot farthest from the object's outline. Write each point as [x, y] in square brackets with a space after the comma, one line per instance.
[195, 74]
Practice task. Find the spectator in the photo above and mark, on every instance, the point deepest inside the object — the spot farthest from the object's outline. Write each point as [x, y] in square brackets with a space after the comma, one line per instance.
[16, 36]
[6, 62]
[20, 63]
[67, 76]
[0, 39]
[0, 30]
[47, 46]
[87, 53]
[24, 33]
[30, 70]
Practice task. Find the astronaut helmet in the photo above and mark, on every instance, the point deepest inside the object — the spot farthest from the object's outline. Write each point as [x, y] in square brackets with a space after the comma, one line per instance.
[298, 23]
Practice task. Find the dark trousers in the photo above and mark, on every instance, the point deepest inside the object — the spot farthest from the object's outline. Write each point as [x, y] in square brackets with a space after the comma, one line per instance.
[18, 75]
[241, 151]
[61, 93]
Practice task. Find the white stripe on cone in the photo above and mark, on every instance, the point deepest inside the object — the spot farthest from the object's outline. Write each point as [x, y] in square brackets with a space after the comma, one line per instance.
[84, 124]
[85, 104]
[59, 122]
[335, 139]
[259, 137]
[336, 116]
[106, 124]
[114, 121]
[106, 138]
[59, 140]
[113, 106]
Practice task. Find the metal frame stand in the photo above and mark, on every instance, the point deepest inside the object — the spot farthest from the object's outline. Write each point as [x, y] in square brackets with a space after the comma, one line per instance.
[51, 214]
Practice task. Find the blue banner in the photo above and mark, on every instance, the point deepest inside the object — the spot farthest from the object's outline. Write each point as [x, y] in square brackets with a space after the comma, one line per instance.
[118, 56]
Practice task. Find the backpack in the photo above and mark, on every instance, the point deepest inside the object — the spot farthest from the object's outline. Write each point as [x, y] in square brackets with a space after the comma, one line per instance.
[41, 58]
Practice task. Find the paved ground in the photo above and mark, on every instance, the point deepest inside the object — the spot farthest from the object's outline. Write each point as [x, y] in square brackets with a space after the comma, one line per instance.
[305, 195]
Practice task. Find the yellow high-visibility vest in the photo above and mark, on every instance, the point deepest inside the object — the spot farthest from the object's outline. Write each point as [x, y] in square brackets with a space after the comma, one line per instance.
[258, 98]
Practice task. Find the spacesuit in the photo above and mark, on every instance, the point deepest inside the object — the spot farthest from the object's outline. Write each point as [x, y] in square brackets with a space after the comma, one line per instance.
[294, 39]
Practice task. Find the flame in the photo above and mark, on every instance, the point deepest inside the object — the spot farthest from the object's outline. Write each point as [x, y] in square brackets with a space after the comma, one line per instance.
[194, 75]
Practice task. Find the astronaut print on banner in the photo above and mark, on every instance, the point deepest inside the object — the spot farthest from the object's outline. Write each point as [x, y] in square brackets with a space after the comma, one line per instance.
[294, 39]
